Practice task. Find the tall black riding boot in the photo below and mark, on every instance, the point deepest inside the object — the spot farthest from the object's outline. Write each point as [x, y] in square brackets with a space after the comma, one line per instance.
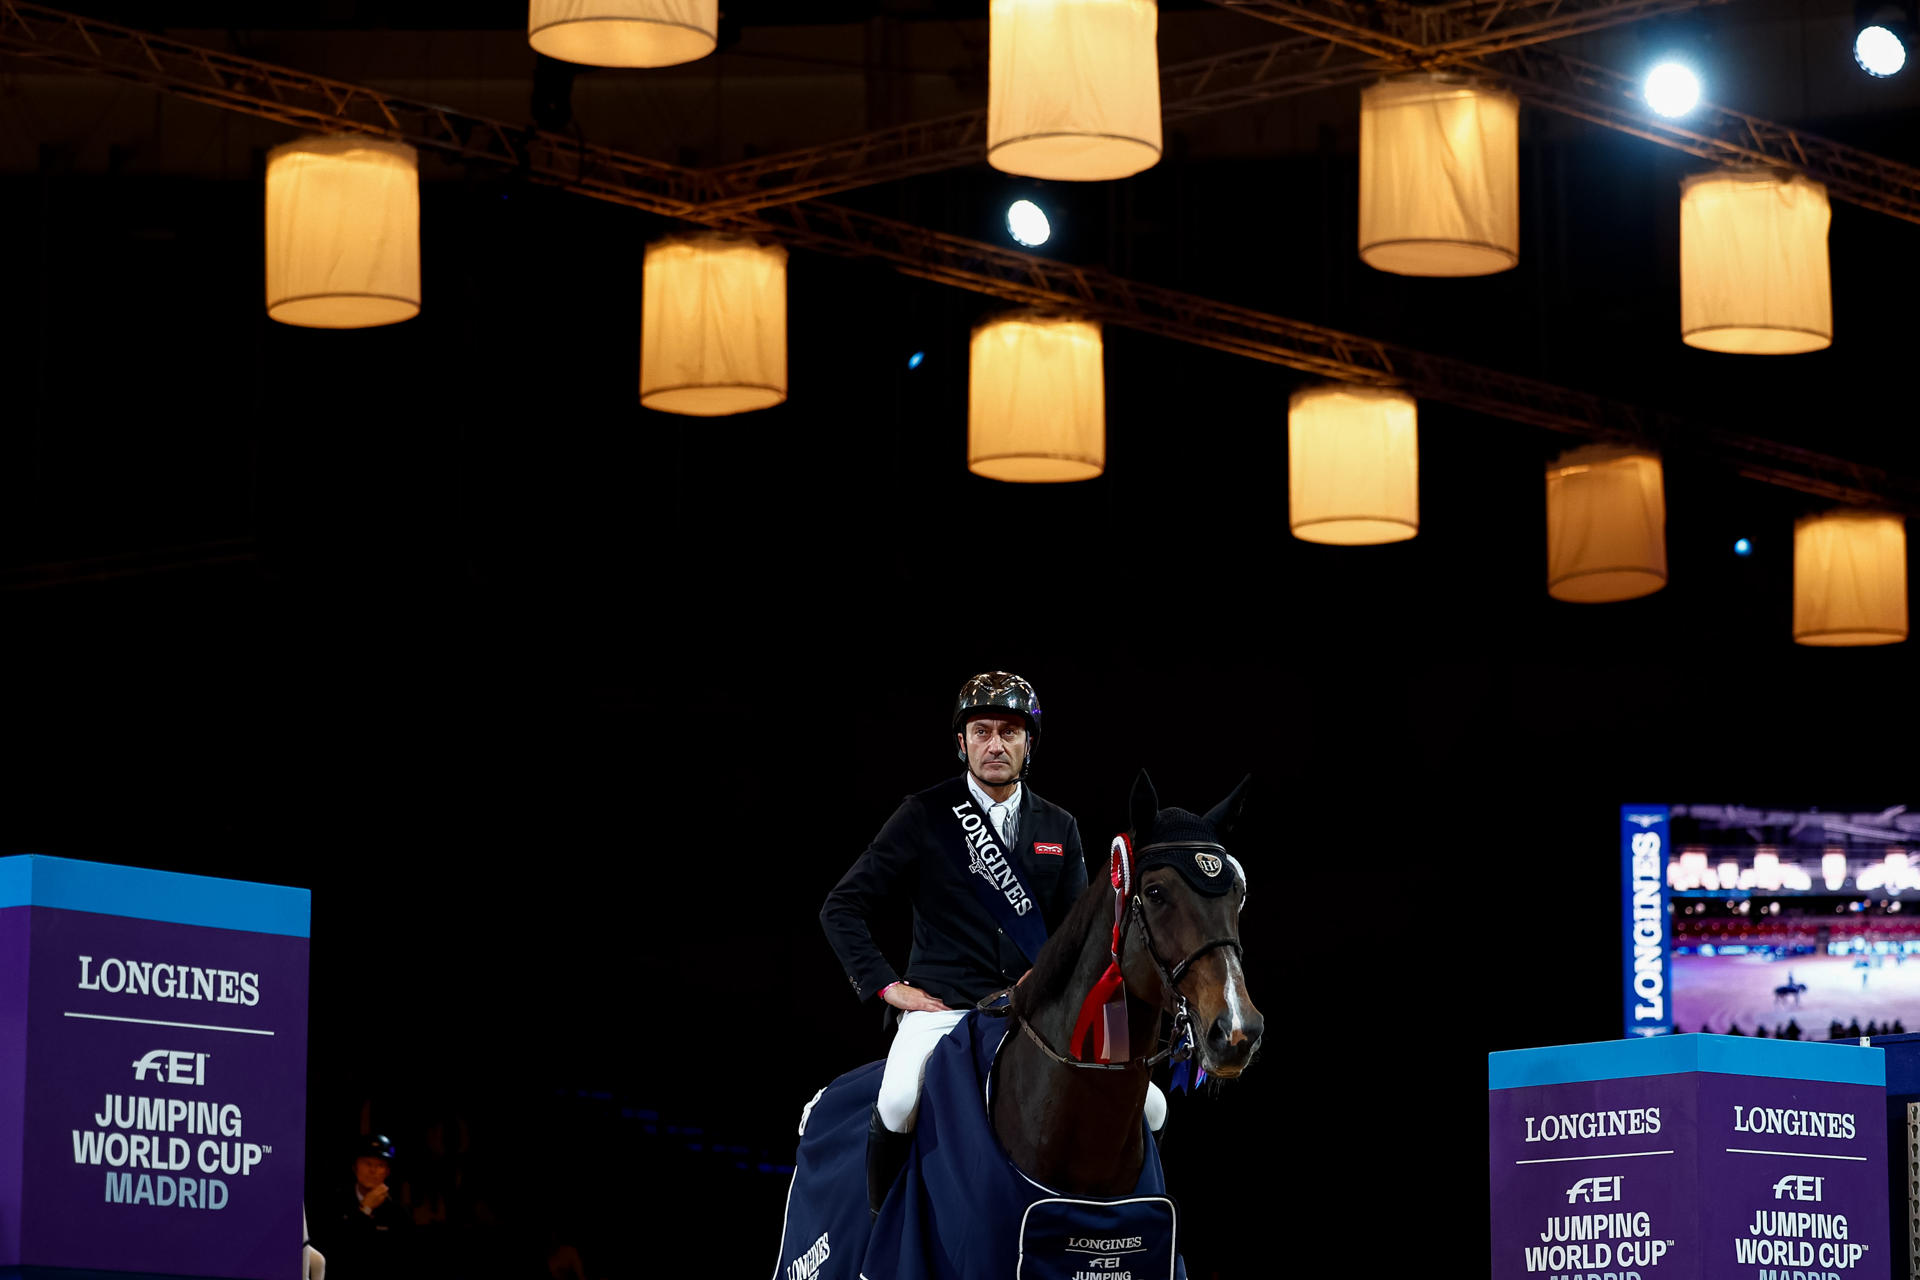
[886, 1153]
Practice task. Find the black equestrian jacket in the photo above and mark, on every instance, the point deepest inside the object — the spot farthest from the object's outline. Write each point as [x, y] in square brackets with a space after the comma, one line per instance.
[959, 953]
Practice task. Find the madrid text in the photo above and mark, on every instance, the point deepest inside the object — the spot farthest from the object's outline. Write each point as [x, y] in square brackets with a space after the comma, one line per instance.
[161, 1166]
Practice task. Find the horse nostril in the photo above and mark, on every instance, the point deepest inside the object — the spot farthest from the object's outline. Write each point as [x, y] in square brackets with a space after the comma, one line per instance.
[1226, 1035]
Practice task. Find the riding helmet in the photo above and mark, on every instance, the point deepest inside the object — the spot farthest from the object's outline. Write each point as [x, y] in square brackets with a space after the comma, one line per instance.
[376, 1145]
[997, 691]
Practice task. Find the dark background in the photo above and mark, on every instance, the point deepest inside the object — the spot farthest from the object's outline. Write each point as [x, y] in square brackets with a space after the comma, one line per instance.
[570, 713]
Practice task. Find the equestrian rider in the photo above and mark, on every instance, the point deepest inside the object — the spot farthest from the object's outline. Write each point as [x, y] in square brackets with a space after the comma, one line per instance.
[976, 928]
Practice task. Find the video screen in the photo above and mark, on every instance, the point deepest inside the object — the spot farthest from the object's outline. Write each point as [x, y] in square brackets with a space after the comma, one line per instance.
[1790, 923]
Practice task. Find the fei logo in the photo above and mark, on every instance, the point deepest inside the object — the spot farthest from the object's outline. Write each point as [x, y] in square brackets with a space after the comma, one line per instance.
[1798, 1187]
[1595, 1190]
[172, 1066]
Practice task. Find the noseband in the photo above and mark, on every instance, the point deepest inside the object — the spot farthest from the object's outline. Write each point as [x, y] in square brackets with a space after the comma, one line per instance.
[1169, 977]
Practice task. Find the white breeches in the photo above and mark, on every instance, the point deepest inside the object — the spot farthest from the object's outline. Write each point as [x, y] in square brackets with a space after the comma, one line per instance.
[920, 1031]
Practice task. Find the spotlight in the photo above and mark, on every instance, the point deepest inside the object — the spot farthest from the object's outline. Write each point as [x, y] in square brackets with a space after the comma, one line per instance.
[1742, 548]
[1027, 223]
[1671, 89]
[1884, 31]
[914, 360]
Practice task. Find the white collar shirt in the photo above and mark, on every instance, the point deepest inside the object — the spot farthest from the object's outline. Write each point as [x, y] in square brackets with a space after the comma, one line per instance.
[987, 803]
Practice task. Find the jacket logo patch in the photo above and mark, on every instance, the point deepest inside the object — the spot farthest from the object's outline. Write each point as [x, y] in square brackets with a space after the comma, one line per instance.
[1208, 863]
[1057, 850]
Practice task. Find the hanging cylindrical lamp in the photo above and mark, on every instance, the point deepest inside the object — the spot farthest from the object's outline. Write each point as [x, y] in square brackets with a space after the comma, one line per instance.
[1353, 455]
[1073, 88]
[1439, 177]
[1036, 399]
[713, 325]
[343, 232]
[624, 33]
[1850, 578]
[1606, 525]
[1753, 263]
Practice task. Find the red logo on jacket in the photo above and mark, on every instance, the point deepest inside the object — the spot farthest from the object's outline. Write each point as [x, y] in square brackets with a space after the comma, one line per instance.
[1057, 850]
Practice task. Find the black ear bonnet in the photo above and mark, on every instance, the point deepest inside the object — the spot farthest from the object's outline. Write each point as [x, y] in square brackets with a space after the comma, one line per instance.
[1186, 842]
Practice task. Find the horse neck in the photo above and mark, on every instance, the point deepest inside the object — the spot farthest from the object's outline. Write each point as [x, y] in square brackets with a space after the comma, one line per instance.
[1074, 1129]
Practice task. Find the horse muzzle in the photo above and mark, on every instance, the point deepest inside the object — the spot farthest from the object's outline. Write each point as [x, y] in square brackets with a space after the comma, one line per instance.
[1231, 1041]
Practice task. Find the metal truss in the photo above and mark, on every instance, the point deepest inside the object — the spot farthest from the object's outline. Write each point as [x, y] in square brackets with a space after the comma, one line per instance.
[1427, 36]
[1247, 76]
[1543, 77]
[307, 102]
[1509, 51]
[1476, 28]
[315, 104]
[1328, 353]
[1559, 82]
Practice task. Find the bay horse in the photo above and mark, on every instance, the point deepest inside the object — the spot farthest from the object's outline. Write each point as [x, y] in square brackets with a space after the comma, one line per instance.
[1076, 1125]
[1057, 1158]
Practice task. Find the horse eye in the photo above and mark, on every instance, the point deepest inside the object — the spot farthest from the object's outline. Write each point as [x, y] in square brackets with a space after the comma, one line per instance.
[1155, 893]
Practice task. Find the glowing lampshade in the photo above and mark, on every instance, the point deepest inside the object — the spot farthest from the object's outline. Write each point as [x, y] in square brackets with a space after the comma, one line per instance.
[1606, 525]
[1036, 399]
[1439, 177]
[1353, 465]
[1849, 578]
[1073, 88]
[713, 325]
[1753, 263]
[343, 232]
[624, 33]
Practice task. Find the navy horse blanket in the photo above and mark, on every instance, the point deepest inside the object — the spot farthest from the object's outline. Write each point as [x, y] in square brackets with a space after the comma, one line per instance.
[960, 1210]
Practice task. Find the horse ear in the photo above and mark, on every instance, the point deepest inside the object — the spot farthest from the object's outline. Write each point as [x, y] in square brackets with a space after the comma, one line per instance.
[1225, 816]
[1143, 805]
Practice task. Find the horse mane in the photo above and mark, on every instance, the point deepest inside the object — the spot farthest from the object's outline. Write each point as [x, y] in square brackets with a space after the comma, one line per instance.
[1053, 967]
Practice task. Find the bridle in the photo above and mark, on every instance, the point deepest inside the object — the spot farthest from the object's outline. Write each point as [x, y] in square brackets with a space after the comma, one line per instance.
[1171, 977]
[1135, 911]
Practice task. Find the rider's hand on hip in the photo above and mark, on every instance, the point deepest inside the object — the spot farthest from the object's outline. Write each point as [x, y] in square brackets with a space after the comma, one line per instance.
[912, 999]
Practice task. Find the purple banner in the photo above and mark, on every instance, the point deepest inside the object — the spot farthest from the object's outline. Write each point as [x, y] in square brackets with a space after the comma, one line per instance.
[1690, 1174]
[160, 1102]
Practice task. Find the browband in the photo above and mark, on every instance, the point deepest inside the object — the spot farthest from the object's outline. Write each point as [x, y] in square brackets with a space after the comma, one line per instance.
[1206, 845]
[1202, 864]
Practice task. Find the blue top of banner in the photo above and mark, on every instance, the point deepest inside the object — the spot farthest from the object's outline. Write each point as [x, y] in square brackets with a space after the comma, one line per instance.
[34, 880]
[1842, 1063]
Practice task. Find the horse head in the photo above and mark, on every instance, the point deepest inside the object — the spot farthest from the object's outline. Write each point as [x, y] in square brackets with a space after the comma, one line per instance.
[1183, 938]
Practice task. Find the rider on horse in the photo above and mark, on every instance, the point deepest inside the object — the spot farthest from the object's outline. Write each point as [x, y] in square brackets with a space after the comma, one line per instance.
[1031, 1153]
[961, 953]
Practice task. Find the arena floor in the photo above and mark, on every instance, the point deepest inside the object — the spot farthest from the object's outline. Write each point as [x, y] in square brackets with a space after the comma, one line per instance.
[1712, 992]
